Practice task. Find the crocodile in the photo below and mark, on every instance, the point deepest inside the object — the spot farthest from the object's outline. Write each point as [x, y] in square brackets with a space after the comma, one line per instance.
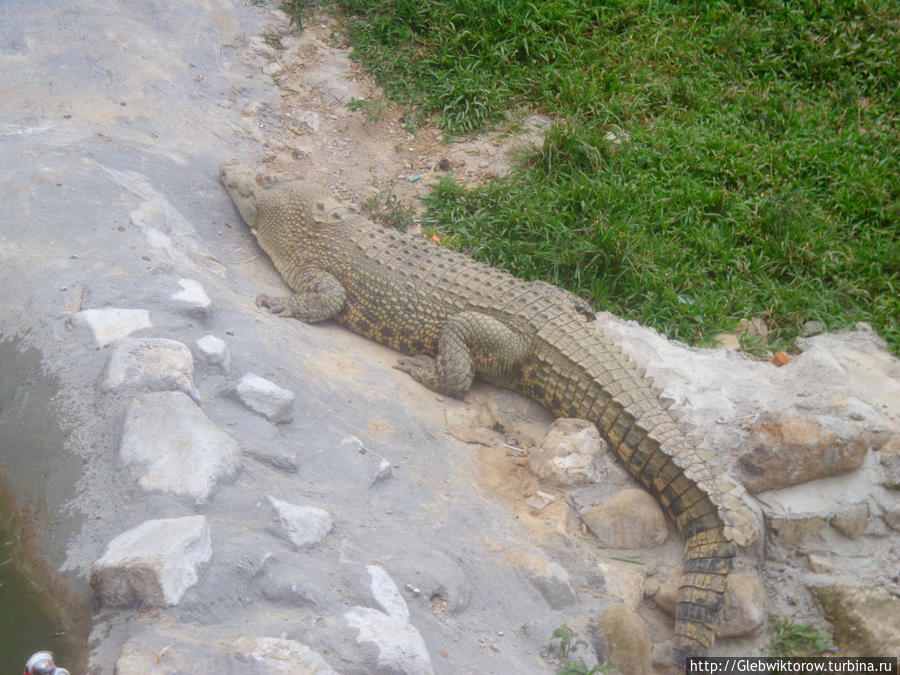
[456, 318]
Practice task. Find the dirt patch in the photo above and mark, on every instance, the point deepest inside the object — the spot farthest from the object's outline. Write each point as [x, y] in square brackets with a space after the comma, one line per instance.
[333, 125]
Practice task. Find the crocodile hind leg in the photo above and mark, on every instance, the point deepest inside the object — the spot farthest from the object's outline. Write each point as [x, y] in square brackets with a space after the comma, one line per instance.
[319, 296]
[469, 343]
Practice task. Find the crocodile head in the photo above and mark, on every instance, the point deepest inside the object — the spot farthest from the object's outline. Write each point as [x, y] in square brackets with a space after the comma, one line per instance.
[244, 185]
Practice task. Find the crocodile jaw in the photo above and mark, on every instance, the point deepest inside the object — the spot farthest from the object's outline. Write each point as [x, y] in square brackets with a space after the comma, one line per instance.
[241, 182]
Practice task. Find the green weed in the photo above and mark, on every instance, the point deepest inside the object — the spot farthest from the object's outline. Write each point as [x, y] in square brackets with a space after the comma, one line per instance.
[273, 40]
[374, 109]
[386, 209]
[711, 161]
[790, 639]
[568, 645]
[296, 10]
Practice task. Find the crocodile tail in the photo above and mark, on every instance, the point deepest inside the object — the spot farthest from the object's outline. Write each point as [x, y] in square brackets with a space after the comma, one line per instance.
[709, 557]
[709, 554]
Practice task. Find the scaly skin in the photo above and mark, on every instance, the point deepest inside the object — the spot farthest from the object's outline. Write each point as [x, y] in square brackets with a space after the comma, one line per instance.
[458, 319]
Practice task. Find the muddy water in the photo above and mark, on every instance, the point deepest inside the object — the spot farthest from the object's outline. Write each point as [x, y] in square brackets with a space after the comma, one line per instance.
[29, 618]
[37, 476]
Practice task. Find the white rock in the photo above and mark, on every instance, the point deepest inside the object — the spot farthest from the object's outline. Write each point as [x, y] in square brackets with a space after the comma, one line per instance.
[401, 648]
[568, 454]
[303, 526]
[387, 595]
[277, 655]
[215, 351]
[110, 324]
[192, 295]
[153, 563]
[266, 398]
[155, 364]
[175, 447]
[273, 68]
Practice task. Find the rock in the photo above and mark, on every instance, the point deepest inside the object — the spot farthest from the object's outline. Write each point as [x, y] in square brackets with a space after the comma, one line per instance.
[109, 324]
[361, 465]
[728, 341]
[780, 358]
[277, 655]
[273, 68]
[568, 454]
[175, 447]
[283, 582]
[153, 563]
[795, 530]
[786, 450]
[626, 585]
[185, 648]
[744, 610]
[266, 398]
[386, 594]
[539, 500]
[215, 351]
[820, 564]
[866, 620]
[621, 641]
[478, 422]
[801, 513]
[892, 517]
[549, 578]
[192, 298]
[852, 521]
[631, 519]
[811, 328]
[303, 526]
[890, 460]
[150, 364]
[400, 647]
[279, 458]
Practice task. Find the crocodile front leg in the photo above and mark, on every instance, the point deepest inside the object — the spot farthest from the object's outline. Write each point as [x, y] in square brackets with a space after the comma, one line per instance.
[319, 296]
[469, 343]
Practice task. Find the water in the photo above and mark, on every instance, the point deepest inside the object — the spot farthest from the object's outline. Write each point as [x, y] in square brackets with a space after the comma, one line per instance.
[30, 619]
[36, 477]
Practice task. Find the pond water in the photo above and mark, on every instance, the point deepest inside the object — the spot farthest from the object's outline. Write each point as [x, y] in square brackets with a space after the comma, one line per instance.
[29, 619]
[37, 476]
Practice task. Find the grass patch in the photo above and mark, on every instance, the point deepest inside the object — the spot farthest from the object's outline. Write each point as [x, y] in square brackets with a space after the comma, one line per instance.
[712, 161]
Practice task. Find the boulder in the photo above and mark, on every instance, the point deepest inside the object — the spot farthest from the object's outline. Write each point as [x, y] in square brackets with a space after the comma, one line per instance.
[266, 398]
[303, 526]
[631, 519]
[175, 448]
[150, 364]
[785, 450]
[153, 563]
[568, 454]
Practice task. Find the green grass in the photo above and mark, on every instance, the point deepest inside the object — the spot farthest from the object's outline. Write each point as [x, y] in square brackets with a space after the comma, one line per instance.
[758, 173]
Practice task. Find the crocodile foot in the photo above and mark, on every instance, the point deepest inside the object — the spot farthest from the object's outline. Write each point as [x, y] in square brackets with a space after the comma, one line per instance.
[276, 305]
